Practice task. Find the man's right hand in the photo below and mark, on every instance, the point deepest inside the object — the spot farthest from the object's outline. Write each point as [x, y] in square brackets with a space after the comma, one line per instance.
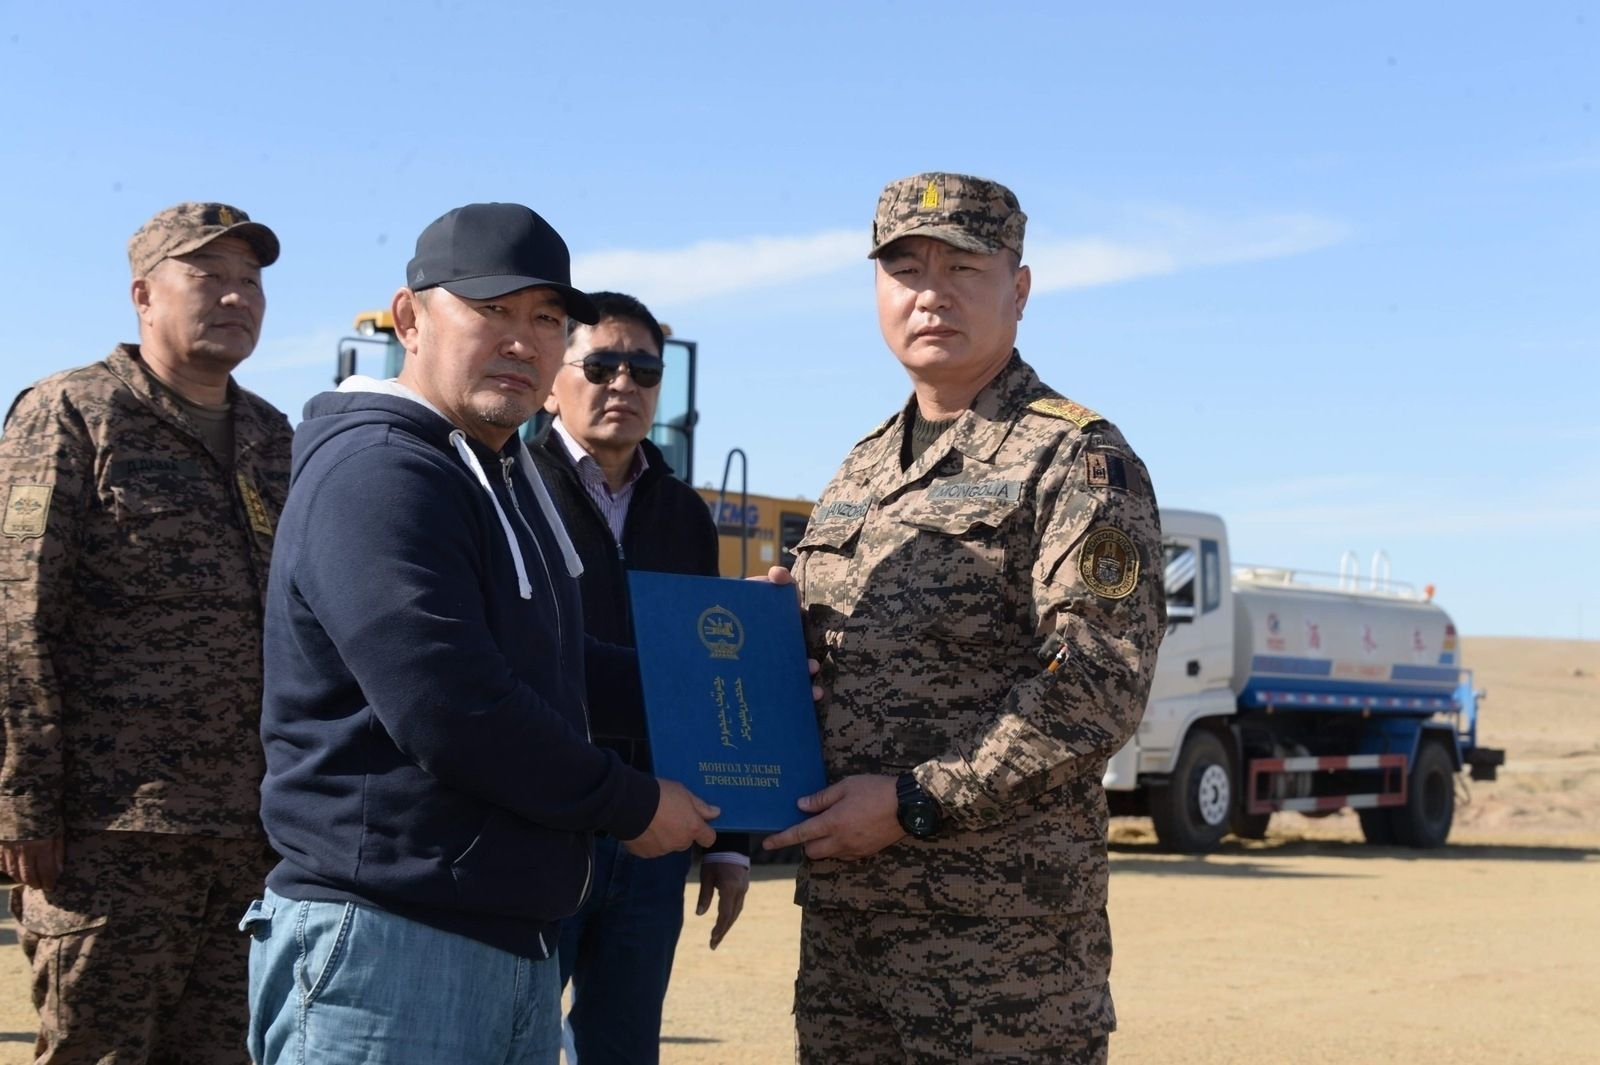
[679, 823]
[34, 863]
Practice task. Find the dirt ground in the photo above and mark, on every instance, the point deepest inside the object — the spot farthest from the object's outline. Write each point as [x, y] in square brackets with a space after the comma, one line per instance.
[1307, 946]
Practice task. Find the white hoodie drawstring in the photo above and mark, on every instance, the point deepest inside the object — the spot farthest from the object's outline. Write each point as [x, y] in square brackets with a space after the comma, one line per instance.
[459, 440]
[552, 517]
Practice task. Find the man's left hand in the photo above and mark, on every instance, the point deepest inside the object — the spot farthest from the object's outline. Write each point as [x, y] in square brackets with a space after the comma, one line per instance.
[781, 575]
[731, 882]
[854, 818]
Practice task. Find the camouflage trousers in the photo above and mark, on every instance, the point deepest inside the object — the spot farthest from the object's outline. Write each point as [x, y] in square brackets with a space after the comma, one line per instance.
[136, 952]
[894, 988]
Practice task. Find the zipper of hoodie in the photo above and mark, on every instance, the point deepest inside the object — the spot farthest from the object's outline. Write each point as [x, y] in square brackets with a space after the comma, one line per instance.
[506, 463]
[549, 582]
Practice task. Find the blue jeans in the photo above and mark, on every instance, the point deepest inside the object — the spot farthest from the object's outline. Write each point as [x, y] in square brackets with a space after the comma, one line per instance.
[336, 983]
[617, 951]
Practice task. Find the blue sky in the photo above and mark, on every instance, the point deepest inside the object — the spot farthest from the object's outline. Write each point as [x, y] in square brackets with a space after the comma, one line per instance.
[1332, 268]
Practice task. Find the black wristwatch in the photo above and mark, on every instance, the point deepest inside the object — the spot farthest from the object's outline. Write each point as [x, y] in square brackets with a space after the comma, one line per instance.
[919, 813]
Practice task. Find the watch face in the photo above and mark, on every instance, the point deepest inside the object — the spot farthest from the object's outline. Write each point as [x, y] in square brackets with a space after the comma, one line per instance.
[920, 820]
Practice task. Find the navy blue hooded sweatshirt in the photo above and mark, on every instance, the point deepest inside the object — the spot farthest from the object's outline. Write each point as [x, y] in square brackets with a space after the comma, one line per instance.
[426, 680]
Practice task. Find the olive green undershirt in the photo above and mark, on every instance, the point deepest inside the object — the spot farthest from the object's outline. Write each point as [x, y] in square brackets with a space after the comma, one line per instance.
[215, 423]
[920, 435]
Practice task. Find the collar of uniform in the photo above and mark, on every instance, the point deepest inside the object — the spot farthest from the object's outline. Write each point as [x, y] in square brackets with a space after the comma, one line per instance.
[127, 364]
[983, 428]
[253, 420]
[977, 433]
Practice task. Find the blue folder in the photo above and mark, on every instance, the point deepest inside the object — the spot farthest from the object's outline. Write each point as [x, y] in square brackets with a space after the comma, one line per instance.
[727, 695]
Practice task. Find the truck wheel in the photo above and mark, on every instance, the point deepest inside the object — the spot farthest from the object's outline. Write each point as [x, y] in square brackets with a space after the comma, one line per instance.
[1424, 821]
[1191, 811]
[1377, 826]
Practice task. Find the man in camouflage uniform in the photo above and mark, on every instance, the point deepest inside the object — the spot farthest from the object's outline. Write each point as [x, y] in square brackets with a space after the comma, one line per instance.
[981, 583]
[140, 496]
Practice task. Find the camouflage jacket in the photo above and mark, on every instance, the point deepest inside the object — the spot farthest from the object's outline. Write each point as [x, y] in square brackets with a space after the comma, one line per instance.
[933, 597]
[132, 574]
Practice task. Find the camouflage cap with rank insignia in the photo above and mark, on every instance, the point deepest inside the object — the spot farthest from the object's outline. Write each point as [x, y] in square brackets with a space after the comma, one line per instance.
[970, 213]
[186, 227]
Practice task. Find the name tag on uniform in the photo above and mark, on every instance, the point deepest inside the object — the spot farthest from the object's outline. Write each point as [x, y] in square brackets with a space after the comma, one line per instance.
[841, 508]
[123, 469]
[1000, 491]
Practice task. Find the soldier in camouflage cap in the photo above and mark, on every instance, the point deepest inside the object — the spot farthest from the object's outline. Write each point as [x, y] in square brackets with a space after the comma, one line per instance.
[982, 584]
[966, 212]
[187, 227]
[141, 494]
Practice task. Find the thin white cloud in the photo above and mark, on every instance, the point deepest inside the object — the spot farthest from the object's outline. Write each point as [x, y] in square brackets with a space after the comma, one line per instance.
[1165, 242]
[717, 267]
[318, 348]
[1573, 164]
[1174, 241]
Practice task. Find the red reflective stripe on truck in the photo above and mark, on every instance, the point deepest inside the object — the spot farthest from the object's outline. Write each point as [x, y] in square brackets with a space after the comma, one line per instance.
[1393, 793]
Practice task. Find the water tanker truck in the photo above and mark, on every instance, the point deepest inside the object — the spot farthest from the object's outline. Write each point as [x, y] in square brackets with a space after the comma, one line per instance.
[1280, 690]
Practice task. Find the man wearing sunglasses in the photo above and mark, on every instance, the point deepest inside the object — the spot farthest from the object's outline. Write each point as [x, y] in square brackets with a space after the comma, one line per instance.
[624, 510]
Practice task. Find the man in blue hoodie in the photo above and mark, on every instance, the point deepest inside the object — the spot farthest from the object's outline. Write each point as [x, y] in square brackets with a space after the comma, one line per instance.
[431, 786]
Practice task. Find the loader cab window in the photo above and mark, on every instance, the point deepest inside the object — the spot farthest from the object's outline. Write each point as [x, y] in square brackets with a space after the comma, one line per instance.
[673, 431]
[1182, 566]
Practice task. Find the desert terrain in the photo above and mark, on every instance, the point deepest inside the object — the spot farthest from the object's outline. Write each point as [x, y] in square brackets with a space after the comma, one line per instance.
[1305, 946]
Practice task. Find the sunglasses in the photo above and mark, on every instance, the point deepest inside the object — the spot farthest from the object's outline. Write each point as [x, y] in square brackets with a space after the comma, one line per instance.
[602, 367]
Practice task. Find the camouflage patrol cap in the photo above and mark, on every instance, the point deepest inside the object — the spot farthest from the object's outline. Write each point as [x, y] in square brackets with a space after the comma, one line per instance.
[966, 212]
[185, 227]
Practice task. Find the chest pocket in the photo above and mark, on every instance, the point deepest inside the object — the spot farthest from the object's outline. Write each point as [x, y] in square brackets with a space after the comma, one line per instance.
[162, 540]
[828, 549]
[960, 586]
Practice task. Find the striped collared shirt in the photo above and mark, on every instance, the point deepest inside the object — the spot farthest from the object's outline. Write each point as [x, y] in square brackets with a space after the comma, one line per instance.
[613, 504]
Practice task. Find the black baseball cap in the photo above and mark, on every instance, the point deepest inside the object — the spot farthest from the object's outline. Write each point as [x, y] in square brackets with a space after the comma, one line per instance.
[484, 250]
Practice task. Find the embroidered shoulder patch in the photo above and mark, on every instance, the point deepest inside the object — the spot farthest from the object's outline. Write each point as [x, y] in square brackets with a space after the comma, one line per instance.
[27, 510]
[1076, 413]
[1109, 563]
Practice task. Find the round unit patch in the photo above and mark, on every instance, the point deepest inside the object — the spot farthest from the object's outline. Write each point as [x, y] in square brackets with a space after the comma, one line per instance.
[1109, 563]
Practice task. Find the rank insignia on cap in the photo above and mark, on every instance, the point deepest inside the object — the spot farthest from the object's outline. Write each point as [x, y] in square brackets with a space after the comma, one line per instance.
[1076, 413]
[225, 216]
[27, 510]
[930, 197]
[1109, 563]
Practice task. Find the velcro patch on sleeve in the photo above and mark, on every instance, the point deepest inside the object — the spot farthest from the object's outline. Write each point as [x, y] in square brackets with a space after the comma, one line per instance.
[27, 510]
[1109, 563]
[1103, 469]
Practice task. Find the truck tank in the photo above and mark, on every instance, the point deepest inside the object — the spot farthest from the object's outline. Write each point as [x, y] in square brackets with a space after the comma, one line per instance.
[1301, 646]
